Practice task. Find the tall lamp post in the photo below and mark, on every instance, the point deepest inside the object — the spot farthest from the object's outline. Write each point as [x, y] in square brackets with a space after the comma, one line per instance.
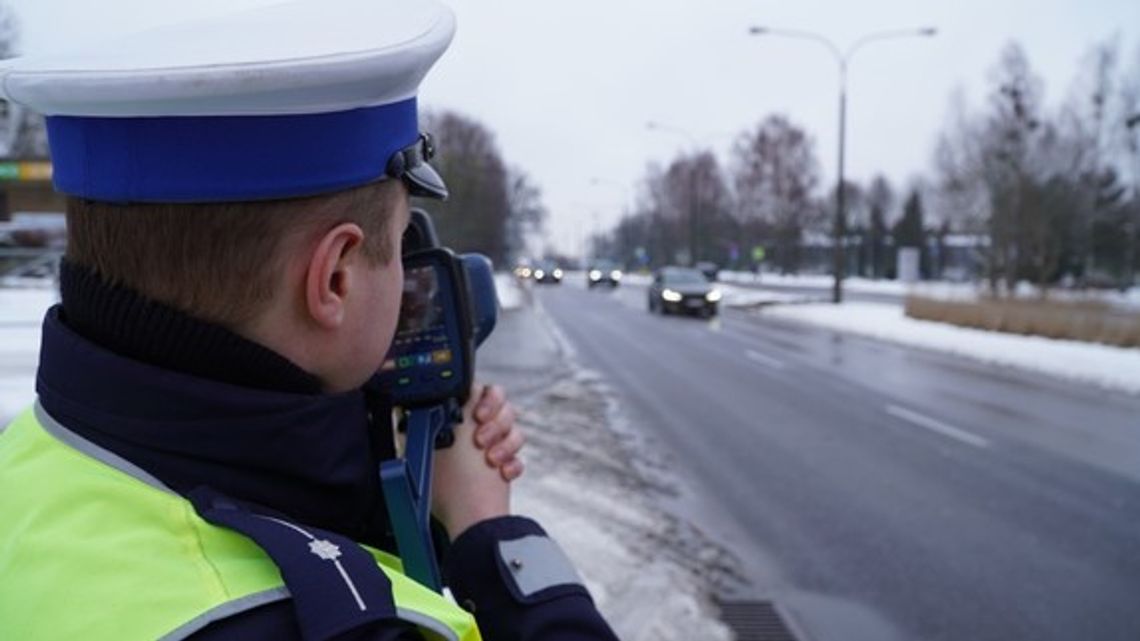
[842, 58]
[694, 223]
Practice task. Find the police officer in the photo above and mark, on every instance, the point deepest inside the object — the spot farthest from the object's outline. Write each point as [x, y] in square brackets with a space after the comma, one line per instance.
[201, 462]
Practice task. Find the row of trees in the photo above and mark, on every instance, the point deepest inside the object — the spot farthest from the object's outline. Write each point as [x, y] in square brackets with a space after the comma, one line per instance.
[769, 196]
[1039, 194]
[1054, 190]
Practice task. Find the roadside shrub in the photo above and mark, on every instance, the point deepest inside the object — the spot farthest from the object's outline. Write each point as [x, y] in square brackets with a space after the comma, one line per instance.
[1090, 321]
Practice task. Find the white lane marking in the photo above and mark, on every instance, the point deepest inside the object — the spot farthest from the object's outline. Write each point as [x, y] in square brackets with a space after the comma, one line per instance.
[937, 426]
[764, 359]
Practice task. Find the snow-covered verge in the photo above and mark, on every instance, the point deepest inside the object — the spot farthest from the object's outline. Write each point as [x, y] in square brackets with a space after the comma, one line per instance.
[507, 287]
[736, 296]
[932, 289]
[815, 281]
[641, 280]
[1115, 368]
[21, 314]
[648, 572]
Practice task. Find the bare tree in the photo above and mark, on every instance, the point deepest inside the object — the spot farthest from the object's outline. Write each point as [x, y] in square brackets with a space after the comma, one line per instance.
[526, 212]
[775, 173]
[23, 133]
[475, 217]
[1128, 139]
[1084, 145]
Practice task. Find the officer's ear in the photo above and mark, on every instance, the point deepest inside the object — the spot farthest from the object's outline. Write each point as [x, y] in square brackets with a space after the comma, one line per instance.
[329, 274]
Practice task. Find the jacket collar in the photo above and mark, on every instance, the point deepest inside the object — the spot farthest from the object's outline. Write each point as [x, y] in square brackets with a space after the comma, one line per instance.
[313, 457]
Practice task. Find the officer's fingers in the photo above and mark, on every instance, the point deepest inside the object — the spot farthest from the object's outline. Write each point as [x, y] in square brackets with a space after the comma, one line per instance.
[491, 432]
[491, 401]
[512, 470]
[506, 449]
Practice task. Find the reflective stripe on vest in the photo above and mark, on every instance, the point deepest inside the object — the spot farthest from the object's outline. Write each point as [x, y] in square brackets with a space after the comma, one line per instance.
[93, 547]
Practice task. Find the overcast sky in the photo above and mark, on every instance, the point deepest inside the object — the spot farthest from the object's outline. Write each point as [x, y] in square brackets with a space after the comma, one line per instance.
[569, 86]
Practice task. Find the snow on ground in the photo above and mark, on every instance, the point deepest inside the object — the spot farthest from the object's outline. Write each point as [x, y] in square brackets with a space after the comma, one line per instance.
[507, 287]
[1114, 368]
[933, 289]
[21, 313]
[736, 296]
[640, 280]
[815, 281]
[646, 570]
[823, 282]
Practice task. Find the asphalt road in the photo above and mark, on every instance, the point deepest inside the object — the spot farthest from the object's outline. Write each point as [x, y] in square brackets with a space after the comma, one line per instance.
[879, 492]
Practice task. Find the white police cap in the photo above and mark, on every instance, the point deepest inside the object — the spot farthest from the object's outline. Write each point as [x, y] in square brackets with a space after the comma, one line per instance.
[294, 99]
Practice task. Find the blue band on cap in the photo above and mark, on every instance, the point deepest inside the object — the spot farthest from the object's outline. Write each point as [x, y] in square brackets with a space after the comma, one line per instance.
[226, 158]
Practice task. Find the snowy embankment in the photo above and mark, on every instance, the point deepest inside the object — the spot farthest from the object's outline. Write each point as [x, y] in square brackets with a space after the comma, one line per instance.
[21, 314]
[1115, 368]
[931, 289]
[821, 282]
[507, 287]
[735, 296]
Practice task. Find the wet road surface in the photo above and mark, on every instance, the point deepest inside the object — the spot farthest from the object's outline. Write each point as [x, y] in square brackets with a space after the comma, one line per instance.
[881, 492]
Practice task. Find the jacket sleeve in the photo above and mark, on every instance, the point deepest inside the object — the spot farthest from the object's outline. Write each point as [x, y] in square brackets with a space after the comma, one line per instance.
[520, 585]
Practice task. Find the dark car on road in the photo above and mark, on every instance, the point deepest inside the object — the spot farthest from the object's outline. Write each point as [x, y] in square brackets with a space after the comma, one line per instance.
[683, 290]
[603, 272]
[548, 272]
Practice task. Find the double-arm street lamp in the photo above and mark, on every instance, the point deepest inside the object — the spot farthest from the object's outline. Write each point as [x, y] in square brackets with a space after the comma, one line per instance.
[842, 58]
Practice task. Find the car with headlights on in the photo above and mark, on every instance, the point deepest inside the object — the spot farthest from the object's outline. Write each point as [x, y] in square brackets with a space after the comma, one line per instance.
[547, 272]
[603, 272]
[683, 290]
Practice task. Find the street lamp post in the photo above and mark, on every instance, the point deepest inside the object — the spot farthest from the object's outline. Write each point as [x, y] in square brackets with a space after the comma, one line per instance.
[694, 223]
[842, 58]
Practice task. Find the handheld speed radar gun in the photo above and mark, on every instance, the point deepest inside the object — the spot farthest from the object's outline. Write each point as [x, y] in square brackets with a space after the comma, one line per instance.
[449, 308]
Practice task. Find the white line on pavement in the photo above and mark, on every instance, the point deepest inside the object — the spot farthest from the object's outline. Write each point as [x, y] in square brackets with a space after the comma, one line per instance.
[764, 359]
[937, 426]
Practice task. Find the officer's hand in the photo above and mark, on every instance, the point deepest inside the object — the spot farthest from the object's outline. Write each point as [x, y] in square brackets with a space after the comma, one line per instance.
[496, 433]
[465, 489]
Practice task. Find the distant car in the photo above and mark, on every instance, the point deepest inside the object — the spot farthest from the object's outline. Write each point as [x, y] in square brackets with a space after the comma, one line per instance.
[547, 273]
[710, 270]
[683, 290]
[603, 272]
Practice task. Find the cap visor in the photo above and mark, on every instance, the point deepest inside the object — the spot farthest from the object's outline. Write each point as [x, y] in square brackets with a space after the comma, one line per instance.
[424, 181]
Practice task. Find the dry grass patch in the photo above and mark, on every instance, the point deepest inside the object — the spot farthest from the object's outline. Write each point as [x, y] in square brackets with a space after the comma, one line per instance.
[1090, 321]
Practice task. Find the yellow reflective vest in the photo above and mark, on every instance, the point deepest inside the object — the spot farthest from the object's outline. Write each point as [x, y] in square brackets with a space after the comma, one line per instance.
[92, 547]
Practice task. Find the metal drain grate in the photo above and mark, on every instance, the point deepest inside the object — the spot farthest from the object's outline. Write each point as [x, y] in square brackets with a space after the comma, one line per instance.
[755, 621]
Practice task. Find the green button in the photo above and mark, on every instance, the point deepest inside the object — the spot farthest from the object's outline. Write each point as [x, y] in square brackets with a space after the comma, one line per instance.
[404, 380]
[446, 373]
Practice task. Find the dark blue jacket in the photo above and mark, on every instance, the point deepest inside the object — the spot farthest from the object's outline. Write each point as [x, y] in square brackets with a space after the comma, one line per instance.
[198, 406]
